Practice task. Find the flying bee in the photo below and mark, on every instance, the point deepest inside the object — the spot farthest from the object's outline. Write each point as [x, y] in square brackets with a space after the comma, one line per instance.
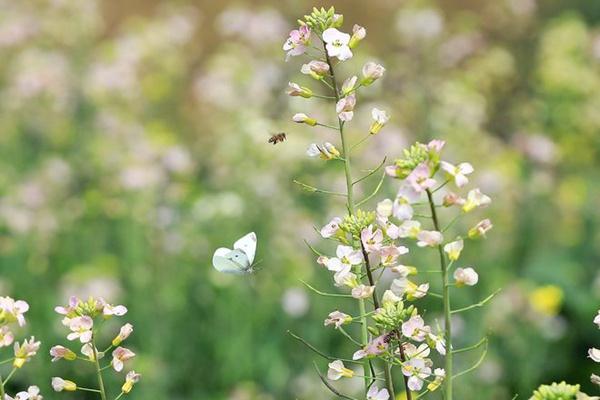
[277, 138]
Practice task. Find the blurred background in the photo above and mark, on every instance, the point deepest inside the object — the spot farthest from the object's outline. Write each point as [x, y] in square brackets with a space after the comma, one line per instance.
[133, 143]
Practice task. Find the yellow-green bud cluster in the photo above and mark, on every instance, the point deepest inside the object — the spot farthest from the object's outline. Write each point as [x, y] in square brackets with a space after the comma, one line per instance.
[321, 19]
[354, 224]
[392, 315]
[415, 155]
[558, 391]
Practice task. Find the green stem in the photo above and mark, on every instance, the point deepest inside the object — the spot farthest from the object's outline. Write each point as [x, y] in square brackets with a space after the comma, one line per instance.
[446, 301]
[98, 370]
[12, 372]
[2, 394]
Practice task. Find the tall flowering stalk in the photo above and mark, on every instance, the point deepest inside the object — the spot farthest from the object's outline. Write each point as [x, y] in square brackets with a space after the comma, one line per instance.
[393, 333]
[85, 319]
[12, 312]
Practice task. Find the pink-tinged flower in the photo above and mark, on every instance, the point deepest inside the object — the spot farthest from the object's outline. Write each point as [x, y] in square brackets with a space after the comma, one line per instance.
[371, 239]
[374, 348]
[6, 336]
[406, 196]
[345, 107]
[24, 352]
[465, 276]
[362, 291]
[375, 394]
[438, 342]
[429, 238]
[597, 319]
[337, 44]
[337, 318]
[327, 151]
[337, 370]
[331, 228]
[393, 171]
[32, 393]
[297, 42]
[415, 329]
[417, 370]
[120, 355]
[440, 375]
[389, 254]
[81, 328]
[316, 69]
[358, 34]
[349, 85]
[385, 209]
[69, 308]
[60, 352]
[295, 90]
[125, 331]
[131, 379]
[11, 310]
[453, 249]
[475, 199]
[60, 384]
[451, 199]
[480, 229]
[409, 229]
[323, 260]
[380, 118]
[404, 270]
[436, 145]
[110, 310]
[301, 118]
[420, 178]
[458, 173]
[371, 72]
[90, 352]
[403, 286]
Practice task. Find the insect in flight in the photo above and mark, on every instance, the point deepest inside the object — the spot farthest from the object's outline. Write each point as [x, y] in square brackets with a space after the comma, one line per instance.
[239, 260]
[277, 138]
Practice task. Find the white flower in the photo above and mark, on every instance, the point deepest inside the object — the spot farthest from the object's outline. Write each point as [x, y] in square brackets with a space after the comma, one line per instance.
[110, 310]
[412, 351]
[597, 319]
[32, 393]
[375, 394]
[60, 384]
[594, 354]
[120, 355]
[385, 208]
[14, 310]
[301, 118]
[316, 69]
[475, 199]
[466, 276]
[439, 342]
[389, 298]
[81, 328]
[337, 44]
[458, 173]
[417, 370]
[380, 118]
[346, 256]
[331, 228]
[429, 238]
[327, 151]
[348, 85]
[345, 107]
[337, 370]
[453, 249]
[337, 318]
[6, 336]
[409, 229]
[402, 205]
[371, 72]
[403, 286]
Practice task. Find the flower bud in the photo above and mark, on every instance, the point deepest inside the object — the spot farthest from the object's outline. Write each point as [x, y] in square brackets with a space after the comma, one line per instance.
[131, 379]
[480, 229]
[296, 90]
[337, 21]
[451, 199]
[380, 118]
[316, 69]
[358, 34]
[302, 118]
[371, 72]
[59, 385]
[124, 333]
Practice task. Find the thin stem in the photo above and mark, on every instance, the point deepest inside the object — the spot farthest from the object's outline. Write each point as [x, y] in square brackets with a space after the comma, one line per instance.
[476, 365]
[7, 361]
[313, 189]
[343, 332]
[98, 369]
[2, 394]
[317, 291]
[403, 359]
[446, 301]
[479, 304]
[119, 396]
[330, 387]
[361, 141]
[84, 389]
[328, 126]
[369, 197]
[319, 352]
[371, 172]
[12, 372]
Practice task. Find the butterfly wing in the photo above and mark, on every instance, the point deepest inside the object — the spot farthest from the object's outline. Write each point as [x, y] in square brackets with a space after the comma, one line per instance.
[247, 244]
[231, 261]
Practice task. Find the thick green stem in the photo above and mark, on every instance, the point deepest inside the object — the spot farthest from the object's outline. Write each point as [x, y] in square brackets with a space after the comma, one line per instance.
[446, 301]
[2, 394]
[98, 371]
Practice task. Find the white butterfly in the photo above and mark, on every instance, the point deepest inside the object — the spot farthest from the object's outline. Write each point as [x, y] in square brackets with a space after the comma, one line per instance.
[239, 260]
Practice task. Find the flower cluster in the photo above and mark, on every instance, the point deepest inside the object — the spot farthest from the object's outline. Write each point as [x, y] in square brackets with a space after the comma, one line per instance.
[12, 312]
[84, 319]
[370, 243]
